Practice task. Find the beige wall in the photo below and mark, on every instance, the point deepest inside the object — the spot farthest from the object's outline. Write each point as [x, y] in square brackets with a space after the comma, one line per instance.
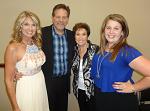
[91, 11]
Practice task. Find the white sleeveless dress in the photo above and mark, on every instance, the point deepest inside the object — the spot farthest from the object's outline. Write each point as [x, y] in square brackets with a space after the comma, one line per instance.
[31, 91]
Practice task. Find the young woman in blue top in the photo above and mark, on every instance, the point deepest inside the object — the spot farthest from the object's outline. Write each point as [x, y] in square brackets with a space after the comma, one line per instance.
[113, 66]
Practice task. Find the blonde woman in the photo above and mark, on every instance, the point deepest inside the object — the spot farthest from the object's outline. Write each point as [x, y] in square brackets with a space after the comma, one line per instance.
[24, 54]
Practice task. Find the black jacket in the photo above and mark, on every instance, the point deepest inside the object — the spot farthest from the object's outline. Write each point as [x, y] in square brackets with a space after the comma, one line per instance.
[47, 47]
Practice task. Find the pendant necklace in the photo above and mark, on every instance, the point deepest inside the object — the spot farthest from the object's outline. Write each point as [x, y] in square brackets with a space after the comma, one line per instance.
[100, 64]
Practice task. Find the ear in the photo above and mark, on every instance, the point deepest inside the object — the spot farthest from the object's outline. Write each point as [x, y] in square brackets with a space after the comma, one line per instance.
[52, 18]
[122, 33]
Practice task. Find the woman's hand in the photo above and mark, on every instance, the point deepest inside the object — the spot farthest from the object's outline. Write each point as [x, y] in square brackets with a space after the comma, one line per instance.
[124, 87]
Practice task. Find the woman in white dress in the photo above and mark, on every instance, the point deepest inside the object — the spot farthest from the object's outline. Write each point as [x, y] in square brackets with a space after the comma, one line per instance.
[24, 54]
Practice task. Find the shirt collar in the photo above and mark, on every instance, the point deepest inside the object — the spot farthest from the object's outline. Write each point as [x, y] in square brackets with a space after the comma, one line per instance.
[55, 33]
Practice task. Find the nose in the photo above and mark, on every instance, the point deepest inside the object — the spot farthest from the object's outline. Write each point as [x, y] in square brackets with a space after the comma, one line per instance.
[111, 31]
[61, 19]
[31, 27]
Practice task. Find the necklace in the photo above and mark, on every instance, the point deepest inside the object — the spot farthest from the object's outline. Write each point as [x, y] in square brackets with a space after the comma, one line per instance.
[32, 48]
[99, 64]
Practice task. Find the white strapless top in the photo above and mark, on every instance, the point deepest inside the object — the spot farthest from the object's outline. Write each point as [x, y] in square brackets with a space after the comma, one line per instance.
[32, 61]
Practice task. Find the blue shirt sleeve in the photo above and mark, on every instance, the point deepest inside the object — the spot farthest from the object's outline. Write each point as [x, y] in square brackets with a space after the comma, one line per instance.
[131, 53]
[93, 67]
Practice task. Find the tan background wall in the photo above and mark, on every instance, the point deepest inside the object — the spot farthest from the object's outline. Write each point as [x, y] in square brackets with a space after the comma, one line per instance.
[91, 11]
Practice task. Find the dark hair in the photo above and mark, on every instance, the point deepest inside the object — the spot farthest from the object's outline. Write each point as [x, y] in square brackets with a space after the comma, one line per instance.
[80, 26]
[61, 6]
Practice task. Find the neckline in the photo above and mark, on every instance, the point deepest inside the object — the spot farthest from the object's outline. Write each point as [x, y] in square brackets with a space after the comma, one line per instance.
[27, 44]
[32, 49]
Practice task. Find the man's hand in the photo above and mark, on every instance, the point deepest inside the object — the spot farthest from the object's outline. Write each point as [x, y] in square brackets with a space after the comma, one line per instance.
[18, 75]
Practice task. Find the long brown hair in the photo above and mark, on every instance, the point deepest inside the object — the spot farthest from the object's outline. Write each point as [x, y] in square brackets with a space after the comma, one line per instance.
[123, 40]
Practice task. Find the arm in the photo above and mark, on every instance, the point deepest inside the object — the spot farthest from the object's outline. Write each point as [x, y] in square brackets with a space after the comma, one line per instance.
[10, 61]
[141, 65]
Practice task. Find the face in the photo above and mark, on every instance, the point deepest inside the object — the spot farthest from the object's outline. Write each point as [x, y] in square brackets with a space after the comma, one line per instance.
[113, 32]
[60, 19]
[28, 28]
[81, 37]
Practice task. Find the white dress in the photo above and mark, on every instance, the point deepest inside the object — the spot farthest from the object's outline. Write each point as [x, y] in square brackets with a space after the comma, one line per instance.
[31, 91]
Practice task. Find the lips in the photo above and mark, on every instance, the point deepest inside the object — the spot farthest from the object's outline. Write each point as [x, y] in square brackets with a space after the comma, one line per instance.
[80, 41]
[30, 33]
[111, 36]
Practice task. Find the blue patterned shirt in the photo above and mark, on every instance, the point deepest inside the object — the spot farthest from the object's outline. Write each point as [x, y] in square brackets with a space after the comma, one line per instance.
[60, 49]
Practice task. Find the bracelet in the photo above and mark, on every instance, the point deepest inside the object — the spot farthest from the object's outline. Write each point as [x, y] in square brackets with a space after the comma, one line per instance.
[133, 89]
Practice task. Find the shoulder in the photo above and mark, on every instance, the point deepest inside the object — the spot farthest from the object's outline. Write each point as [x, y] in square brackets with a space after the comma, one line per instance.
[46, 32]
[129, 53]
[94, 47]
[69, 32]
[46, 29]
[95, 58]
[11, 49]
[130, 50]
[12, 46]
[70, 37]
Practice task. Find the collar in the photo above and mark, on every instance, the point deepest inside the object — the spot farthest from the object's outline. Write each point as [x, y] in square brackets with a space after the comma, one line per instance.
[55, 33]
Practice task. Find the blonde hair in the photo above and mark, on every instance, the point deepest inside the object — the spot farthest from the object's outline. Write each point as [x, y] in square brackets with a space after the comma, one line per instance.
[17, 35]
[123, 39]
